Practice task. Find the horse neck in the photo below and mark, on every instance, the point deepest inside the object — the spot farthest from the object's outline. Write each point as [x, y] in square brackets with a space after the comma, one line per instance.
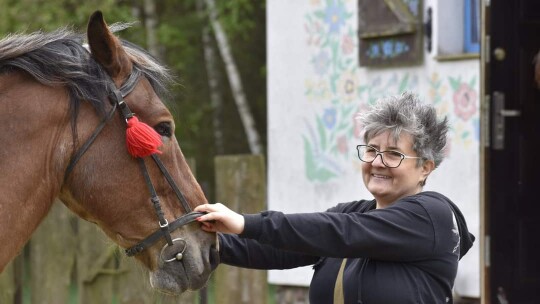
[35, 145]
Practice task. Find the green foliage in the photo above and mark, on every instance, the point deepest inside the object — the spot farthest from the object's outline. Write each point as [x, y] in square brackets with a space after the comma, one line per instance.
[314, 171]
[237, 17]
[46, 15]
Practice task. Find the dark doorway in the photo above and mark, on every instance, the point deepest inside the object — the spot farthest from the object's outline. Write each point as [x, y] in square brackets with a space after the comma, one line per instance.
[513, 157]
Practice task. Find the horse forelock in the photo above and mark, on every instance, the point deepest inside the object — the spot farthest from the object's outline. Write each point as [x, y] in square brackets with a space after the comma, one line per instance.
[157, 74]
[60, 58]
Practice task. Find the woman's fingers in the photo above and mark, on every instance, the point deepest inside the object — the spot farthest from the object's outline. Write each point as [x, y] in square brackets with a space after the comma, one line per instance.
[208, 227]
[222, 218]
[203, 208]
[213, 212]
[211, 216]
[211, 207]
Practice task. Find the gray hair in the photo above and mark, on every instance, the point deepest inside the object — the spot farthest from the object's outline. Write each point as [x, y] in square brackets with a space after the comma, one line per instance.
[406, 113]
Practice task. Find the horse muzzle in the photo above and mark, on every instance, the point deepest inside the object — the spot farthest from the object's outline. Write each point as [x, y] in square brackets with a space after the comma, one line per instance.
[187, 264]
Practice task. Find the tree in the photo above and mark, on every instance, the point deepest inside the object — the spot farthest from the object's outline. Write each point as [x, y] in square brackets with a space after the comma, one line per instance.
[150, 24]
[234, 80]
[213, 74]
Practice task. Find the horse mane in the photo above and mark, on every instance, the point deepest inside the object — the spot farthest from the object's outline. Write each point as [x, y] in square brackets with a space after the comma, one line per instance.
[60, 58]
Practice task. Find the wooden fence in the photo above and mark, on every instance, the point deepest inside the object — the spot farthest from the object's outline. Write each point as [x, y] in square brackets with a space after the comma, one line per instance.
[241, 185]
[69, 260]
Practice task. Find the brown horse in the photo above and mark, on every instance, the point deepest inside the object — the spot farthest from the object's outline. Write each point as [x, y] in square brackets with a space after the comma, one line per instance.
[63, 113]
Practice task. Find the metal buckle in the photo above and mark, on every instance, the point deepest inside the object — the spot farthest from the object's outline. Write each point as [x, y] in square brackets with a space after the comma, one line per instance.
[164, 225]
[179, 256]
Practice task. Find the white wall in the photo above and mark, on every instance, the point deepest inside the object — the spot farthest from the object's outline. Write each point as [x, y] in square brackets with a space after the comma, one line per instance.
[312, 162]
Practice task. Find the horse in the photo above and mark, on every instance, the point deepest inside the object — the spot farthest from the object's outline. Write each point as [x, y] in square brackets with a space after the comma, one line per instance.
[85, 123]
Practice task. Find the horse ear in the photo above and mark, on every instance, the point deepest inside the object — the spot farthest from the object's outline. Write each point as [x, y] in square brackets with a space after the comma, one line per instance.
[106, 48]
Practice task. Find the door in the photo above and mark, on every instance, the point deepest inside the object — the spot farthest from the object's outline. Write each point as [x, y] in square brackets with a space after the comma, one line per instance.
[513, 156]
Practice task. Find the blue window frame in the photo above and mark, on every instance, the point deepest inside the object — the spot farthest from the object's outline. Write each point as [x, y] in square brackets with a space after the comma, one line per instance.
[472, 26]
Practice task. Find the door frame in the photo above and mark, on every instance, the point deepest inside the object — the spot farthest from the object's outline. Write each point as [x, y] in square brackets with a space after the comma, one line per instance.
[485, 291]
[488, 233]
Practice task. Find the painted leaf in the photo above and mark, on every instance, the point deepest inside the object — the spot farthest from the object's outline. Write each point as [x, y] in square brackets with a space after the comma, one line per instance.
[322, 133]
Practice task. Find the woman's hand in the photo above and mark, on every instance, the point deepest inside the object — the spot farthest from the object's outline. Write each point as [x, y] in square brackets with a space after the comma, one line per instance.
[219, 218]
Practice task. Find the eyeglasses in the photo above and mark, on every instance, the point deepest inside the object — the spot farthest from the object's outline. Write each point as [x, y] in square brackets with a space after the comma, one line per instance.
[391, 159]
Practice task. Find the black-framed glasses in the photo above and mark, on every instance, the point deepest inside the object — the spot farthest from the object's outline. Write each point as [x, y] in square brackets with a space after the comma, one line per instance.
[390, 158]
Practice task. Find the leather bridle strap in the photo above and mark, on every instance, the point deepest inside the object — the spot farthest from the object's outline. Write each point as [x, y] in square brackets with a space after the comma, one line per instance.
[171, 182]
[77, 156]
[154, 237]
[116, 96]
[163, 223]
[165, 227]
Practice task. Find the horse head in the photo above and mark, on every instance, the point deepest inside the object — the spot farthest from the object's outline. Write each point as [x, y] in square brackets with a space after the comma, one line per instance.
[71, 114]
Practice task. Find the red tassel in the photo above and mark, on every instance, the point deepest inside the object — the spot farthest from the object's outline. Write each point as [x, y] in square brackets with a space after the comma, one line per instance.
[141, 139]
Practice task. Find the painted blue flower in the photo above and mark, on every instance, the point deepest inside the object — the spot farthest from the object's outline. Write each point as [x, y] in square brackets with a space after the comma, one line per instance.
[399, 47]
[388, 48]
[374, 50]
[321, 62]
[334, 16]
[329, 118]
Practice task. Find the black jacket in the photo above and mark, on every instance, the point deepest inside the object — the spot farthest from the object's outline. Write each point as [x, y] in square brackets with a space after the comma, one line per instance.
[405, 253]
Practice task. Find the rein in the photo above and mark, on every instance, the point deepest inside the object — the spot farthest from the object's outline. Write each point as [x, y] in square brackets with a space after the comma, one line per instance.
[116, 97]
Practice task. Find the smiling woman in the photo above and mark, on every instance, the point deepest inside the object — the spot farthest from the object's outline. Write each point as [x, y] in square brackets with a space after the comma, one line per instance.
[405, 239]
[391, 176]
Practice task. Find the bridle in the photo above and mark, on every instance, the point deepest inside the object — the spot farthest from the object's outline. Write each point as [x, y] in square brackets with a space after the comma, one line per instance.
[116, 97]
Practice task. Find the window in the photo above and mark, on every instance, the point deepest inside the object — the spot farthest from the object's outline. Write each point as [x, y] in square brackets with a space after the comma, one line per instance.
[390, 32]
[472, 26]
[457, 29]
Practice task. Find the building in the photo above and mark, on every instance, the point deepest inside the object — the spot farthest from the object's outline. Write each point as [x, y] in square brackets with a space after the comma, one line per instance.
[472, 59]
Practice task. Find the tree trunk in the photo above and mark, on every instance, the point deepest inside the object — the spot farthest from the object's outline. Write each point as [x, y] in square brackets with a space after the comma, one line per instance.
[150, 25]
[214, 83]
[234, 80]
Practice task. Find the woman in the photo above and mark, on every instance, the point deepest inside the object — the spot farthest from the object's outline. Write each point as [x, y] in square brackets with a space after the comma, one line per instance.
[401, 247]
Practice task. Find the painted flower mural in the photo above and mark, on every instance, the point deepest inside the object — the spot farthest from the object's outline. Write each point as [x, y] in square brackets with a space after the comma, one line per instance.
[329, 118]
[335, 85]
[347, 45]
[334, 16]
[342, 144]
[321, 63]
[460, 105]
[347, 86]
[340, 89]
[465, 101]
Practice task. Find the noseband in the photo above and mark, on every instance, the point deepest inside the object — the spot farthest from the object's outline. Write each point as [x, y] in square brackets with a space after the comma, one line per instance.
[116, 97]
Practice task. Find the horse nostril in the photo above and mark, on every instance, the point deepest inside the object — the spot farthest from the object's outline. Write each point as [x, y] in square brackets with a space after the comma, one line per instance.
[214, 257]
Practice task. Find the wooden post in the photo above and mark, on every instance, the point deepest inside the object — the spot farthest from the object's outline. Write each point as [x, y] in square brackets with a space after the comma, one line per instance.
[7, 284]
[133, 286]
[95, 264]
[241, 185]
[52, 256]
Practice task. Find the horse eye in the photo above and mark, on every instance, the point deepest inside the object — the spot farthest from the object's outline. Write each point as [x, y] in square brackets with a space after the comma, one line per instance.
[164, 129]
